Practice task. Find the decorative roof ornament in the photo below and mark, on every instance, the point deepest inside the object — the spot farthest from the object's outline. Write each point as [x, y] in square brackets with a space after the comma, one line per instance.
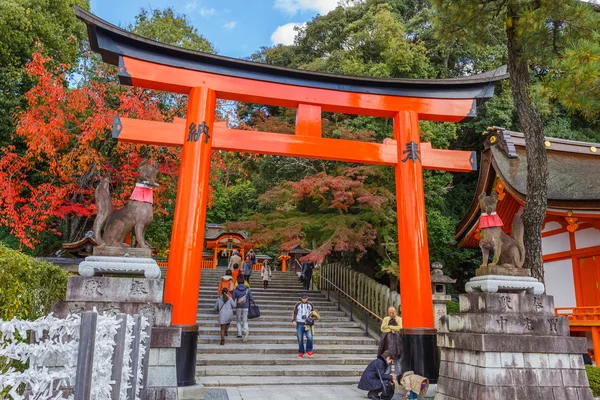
[501, 137]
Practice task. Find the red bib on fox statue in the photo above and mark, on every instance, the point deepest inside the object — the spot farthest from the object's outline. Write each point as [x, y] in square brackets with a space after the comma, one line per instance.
[142, 193]
[489, 221]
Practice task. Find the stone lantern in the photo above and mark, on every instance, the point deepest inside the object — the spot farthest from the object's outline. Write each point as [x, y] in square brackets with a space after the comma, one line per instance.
[438, 290]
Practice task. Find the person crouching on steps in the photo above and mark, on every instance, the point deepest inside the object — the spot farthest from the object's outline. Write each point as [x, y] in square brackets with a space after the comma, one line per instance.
[302, 309]
[225, 308]
[242, 297]
[375, 379]
[265, 272]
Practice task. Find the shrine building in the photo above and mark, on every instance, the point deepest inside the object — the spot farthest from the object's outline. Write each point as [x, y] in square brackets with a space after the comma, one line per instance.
[571, 231]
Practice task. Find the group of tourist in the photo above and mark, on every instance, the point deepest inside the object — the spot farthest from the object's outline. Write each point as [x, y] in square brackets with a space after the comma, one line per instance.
[235, 294]
[247, 267]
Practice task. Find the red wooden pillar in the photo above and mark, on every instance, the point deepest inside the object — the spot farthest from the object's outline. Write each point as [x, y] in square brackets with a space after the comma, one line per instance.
[185, 256]
[596, 343]
[415, 282]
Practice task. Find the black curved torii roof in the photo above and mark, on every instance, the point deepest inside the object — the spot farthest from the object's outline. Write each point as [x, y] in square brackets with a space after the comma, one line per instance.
[112, 42]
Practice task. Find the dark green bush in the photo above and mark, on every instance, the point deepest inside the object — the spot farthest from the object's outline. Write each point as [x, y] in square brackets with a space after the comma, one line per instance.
[28, 287]
[593, 374]
[452, 307]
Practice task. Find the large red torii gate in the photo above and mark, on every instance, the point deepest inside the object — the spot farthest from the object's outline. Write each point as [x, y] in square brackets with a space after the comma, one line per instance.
[204, 78]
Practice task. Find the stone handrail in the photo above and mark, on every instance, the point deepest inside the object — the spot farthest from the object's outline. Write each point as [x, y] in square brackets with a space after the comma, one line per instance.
[368, 292]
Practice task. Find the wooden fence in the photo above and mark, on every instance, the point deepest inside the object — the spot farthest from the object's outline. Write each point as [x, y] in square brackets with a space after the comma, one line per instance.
[368, 292]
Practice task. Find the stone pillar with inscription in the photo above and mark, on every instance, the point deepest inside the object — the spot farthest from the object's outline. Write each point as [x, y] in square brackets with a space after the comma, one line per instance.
[134, 295]
[509, 346]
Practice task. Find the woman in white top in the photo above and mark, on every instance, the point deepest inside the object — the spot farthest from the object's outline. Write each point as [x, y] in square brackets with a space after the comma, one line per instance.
[265, 272]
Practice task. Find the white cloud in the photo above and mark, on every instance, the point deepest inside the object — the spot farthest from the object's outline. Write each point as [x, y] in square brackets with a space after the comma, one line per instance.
[229, 25]
[205, 12]
[293, 6]
[191, 5]
[285, 34]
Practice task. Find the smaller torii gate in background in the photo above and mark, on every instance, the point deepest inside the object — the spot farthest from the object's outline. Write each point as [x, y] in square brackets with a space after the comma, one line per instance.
[204, 78]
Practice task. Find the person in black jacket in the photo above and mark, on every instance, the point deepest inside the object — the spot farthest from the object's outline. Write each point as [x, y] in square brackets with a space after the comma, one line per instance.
[374, 375]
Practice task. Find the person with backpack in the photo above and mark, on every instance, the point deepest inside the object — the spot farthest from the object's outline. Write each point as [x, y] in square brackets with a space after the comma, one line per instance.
[224, 306]
[226, 282]
[375, 380]
[303, 324]
[247, 268]
[242, 297]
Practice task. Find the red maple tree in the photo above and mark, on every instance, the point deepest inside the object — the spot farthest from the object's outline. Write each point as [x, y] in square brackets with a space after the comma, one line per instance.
[67, 147]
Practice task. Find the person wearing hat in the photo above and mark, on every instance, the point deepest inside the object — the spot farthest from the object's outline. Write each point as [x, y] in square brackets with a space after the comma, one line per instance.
[302, 310]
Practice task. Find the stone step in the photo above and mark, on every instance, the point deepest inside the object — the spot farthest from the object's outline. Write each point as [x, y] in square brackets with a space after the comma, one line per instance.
[259, 323]
[212, 297]
[285, 291]
[282, 370]
[229, 381]
[236, 346]
[284, 312]
[285, 331]
[282, 359]
[275, 317]
[274, 306]
[289, 339]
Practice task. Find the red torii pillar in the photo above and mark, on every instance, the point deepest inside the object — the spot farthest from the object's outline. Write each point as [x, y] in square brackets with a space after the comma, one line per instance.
[204, 78]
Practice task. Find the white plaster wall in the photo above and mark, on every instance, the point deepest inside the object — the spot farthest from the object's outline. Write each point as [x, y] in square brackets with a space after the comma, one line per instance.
[558, 278]
[556, 243]
[587, 238]
[551, 226]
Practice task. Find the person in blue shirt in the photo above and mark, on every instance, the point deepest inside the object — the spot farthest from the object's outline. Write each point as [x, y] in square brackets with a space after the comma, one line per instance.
[242, 297]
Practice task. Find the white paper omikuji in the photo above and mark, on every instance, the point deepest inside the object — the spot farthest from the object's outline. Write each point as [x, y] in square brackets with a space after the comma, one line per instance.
[61, 339]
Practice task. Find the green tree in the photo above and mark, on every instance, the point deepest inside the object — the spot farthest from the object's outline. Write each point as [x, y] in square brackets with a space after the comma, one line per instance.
[537, 33]
[23, 23]
[166, 26]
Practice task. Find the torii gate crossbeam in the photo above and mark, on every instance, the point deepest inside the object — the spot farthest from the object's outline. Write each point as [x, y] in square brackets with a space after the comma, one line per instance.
[204, 78]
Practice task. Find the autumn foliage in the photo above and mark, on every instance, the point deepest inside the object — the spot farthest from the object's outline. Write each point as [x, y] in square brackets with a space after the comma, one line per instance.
[63, 147]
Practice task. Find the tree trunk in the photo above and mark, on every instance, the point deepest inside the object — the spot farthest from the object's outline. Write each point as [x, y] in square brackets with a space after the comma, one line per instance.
[537, 162]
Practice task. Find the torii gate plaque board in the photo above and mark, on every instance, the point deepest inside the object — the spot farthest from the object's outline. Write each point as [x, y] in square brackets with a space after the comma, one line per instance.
[204, 78]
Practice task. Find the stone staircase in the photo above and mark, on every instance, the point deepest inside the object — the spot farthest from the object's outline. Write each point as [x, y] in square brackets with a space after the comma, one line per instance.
[269, 356]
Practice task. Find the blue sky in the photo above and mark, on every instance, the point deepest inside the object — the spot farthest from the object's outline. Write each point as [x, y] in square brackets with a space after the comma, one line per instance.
[236, 28]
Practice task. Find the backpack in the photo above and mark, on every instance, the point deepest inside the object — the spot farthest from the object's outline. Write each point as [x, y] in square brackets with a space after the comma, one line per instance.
[241, 301]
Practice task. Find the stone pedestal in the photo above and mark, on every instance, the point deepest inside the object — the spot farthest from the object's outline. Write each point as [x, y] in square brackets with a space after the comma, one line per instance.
[120, 266]
[510, 346]
[115, 295]
[504, 283]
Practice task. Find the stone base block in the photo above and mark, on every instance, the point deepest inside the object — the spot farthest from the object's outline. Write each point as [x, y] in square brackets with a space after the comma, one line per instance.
[509, 346]
[518, 324]
[162, 376]
[501, 283]
[122, 251]
[506, 303]
[504, 270]
[194, 392]
[514, 343]
[121, 289]
[165, 337]
[158, 312]
[161, 393]
[119, 266]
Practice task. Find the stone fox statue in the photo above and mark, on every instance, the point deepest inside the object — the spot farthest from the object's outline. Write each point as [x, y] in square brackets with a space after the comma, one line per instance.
[508, 251]
[136, 216]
